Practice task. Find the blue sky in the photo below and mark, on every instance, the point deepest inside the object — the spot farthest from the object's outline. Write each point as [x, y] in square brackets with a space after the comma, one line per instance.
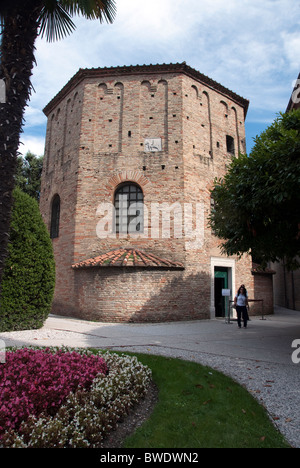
[250, 46]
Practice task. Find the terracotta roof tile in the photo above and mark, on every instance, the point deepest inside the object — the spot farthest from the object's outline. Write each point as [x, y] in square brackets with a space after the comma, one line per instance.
[128, 258]
[259, 270]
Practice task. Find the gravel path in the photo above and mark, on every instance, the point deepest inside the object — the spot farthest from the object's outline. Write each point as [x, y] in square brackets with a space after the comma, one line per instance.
[259, 357]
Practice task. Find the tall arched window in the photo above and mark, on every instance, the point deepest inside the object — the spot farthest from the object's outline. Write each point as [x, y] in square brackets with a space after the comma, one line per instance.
[55, 214]
[129, 209]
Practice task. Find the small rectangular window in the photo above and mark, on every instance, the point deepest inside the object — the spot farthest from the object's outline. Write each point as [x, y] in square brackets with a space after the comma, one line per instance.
[230, 144]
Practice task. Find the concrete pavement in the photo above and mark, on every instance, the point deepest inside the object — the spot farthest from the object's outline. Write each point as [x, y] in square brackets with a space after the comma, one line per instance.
[267, 340]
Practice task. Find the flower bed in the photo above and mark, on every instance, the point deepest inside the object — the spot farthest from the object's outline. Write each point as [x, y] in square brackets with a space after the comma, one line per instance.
[63, 398]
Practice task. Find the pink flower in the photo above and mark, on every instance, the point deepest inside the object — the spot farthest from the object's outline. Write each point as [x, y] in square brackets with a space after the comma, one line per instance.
[39, 381]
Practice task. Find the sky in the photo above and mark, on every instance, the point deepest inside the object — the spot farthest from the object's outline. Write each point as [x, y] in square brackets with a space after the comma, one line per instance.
[251, 47]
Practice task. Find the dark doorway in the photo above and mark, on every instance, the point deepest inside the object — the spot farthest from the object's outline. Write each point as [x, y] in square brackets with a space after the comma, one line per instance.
[221, 282]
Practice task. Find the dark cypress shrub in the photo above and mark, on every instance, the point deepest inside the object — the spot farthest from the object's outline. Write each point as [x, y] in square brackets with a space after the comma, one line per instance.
[29, 275]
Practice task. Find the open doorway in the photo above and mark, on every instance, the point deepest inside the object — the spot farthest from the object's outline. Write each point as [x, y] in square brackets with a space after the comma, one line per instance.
[221, 282]
[222, 277]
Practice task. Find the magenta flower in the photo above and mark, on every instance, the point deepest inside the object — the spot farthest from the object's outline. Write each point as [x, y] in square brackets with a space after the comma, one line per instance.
[33, 382]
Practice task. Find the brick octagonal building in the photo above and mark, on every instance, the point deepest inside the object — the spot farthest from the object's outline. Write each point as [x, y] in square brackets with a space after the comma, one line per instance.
[131, 154]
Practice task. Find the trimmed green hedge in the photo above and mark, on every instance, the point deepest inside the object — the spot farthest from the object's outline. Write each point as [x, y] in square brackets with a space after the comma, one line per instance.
[29, 276]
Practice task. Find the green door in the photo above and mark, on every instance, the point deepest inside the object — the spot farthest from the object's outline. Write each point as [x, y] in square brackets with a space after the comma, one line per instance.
[221, 282]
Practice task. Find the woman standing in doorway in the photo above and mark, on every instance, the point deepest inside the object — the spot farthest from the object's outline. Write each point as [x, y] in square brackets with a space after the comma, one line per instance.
[241, 303]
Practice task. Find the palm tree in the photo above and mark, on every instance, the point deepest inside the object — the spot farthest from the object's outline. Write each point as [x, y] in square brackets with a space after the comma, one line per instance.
[22, 21]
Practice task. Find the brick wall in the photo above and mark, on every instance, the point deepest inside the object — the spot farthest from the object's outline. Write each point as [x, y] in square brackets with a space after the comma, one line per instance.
[139, 295]
[263, 290]
[60, 176]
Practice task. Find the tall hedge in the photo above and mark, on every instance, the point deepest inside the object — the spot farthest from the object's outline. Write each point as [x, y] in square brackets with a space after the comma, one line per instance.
[29, 276]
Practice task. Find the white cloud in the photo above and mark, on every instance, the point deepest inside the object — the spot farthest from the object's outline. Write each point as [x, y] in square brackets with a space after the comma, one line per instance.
[291, 43]
[234, 39]
[250, 46]
[34, 117]
[34, 144]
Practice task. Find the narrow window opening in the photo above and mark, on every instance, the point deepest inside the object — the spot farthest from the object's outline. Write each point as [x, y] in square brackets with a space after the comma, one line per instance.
[55, 216]
[230, 144]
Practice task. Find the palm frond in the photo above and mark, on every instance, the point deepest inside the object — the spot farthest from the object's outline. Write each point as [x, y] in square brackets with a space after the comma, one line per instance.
[92, 9]
[55, 17]
[55, 21]
[106, 10]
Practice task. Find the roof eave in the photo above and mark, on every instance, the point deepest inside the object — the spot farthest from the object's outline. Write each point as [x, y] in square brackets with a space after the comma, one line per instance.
[143, 69]
[130, 267]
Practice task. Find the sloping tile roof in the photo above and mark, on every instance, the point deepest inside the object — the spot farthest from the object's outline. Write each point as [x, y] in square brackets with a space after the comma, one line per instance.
[128, 258]
[258, 270]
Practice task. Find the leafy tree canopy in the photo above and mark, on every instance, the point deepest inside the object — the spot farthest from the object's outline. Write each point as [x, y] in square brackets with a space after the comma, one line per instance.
[257, 203]
[28, 176]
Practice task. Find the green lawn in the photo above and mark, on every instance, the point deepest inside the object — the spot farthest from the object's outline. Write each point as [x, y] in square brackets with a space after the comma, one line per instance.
[199, 407]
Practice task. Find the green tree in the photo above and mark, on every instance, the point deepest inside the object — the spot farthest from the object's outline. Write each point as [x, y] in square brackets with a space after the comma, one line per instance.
[29, 274]
[257, 203]
[28, 175]
[22, 21]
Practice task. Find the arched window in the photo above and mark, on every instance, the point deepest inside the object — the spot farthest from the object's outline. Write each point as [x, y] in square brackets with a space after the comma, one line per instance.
[55, 214]
[129, 209]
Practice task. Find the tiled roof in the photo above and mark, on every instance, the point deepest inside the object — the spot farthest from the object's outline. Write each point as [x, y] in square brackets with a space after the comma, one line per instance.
[258, 270]
[128, 258]
[144, 69]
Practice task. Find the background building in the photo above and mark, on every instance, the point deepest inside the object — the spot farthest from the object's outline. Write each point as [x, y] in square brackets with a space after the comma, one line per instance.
[287, 283]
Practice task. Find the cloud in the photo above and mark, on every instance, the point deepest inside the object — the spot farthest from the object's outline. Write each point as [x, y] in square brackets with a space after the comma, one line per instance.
[34, 117]
[35, 145]
[291, 43]
[232, 40]
[250, 46]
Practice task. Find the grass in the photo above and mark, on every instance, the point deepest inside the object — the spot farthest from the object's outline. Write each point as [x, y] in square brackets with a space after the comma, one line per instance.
[201, 408]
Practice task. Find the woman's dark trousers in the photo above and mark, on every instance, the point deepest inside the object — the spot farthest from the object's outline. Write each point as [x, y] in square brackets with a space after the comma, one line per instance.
[242, 314]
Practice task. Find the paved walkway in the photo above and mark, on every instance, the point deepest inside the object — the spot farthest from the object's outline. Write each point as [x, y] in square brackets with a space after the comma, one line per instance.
[259, 357]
